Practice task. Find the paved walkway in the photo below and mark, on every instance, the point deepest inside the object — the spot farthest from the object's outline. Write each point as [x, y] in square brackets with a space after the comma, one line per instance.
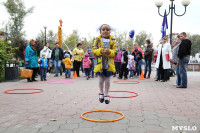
[158, 107]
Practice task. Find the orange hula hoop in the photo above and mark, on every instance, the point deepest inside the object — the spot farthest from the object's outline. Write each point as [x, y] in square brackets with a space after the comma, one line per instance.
[102, 120]
[9, 91]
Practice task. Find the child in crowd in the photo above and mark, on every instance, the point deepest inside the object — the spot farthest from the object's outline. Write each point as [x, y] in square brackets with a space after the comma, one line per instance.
[95, 63]
[131, 65]
[104, 49]
[124, 62]
[68, 64]
[91, 57]
[43, 67]
[86, 65]
[138, 60]
[117, 60]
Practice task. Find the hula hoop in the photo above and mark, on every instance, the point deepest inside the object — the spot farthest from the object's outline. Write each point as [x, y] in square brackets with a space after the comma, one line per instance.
[60, 81]
[102, 120]
[8, 91]
[136, 94]
[130, 82]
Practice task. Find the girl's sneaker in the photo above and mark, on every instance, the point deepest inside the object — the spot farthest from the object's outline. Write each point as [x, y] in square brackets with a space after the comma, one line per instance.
[107, 99]
[101, 98]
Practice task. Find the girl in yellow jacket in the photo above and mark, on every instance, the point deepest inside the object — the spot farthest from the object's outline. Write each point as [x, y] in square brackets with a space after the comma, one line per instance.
[104, 50]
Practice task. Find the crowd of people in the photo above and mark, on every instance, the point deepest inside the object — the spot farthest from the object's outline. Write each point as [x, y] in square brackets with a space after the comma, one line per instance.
[106, 60]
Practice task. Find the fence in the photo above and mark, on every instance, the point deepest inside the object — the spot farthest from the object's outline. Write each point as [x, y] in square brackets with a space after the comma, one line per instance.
[193, 67]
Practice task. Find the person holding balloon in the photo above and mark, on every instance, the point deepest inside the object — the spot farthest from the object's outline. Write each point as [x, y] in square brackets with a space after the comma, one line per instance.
[104, 49]
[136, 46]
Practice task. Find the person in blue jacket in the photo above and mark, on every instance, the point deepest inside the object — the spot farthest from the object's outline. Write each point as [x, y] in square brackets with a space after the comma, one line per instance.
[31, 59]
[43, 67]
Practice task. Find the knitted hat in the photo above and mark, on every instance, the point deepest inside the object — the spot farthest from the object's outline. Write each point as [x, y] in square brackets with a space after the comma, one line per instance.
[89, 49]
[123, 49]
[66, 55]
[86, 55]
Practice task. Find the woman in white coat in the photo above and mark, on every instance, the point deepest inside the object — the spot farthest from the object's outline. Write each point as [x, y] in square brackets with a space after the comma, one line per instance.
[47, 51]
[163, 60]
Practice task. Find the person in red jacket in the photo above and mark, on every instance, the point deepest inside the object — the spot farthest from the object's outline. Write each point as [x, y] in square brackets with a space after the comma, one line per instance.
[137, 47]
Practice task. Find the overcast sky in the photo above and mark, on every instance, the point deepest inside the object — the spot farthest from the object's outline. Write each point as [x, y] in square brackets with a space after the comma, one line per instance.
[123, 15]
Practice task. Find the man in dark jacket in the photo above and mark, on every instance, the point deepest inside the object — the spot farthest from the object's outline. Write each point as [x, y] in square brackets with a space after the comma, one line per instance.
[57, 56]
[184, 57]
[148, 54]
[124, 62]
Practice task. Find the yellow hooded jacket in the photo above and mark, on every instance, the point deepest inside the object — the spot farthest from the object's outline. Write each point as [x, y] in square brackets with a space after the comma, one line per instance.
[96, 49]
[78, 54]
[68, 63]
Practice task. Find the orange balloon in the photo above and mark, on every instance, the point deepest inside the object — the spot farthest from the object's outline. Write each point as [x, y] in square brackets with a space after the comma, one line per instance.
[60, 36]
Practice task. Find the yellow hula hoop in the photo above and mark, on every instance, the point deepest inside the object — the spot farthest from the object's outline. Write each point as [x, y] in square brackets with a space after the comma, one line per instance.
[102, 120]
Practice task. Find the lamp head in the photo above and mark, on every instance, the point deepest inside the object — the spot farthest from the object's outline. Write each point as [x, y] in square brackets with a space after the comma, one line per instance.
[159, 3]
[185, 2]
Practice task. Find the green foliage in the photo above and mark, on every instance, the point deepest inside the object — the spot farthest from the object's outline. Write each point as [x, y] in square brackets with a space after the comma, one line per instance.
[51, 38]
[72, 40]
[141, 38]
[17, 12]
[86, 44]
[195, 39]
[129, 45]
[6, 53]
[123, 40]
[119, 37]
[38, 46]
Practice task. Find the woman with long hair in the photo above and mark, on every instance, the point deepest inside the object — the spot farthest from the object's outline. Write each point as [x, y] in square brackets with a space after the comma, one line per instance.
[31, 59]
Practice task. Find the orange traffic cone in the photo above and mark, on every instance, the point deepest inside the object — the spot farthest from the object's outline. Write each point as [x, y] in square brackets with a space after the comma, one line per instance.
[75, 75]
[142, 76]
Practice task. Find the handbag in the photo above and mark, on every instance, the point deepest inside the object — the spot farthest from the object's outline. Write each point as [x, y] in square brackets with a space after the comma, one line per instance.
[167, 57]
[26, 73]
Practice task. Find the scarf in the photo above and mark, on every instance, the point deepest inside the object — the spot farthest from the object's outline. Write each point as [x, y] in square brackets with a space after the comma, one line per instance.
[33, 48]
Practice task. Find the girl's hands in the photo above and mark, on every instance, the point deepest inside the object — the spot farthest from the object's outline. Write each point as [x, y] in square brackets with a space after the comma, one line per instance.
[105, 51]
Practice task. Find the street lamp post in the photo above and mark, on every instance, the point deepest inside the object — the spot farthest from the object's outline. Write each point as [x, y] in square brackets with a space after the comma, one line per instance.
[45, 41]
[159, 3]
